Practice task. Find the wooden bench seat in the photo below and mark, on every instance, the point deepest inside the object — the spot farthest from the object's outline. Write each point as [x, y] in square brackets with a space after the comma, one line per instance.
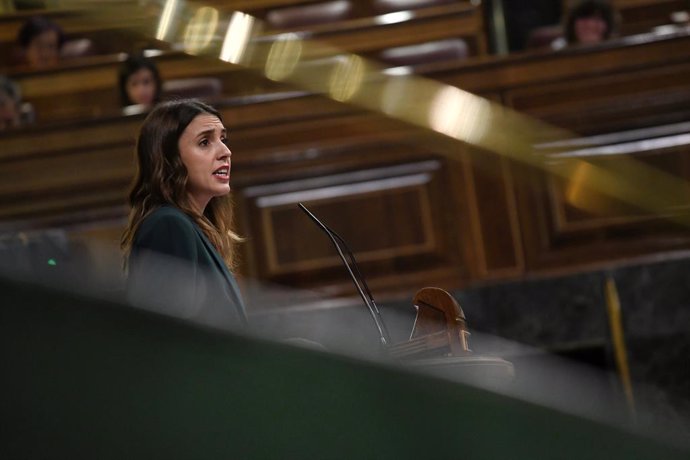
[623, 84]
[369, 35]
[639, 16]
[121, 28]
[88, 86]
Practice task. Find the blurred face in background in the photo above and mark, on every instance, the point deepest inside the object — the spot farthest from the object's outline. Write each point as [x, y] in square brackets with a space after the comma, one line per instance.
[141, 87]
[589, 30]
[44, 50]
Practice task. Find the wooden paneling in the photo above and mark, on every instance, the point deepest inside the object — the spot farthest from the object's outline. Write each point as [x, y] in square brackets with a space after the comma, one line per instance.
[624, 85]
[418, 210]
[500, 75]
[117, 26]
[570, 219]
[391, 216]
[493, 219]
[638, 16]
[88, 87]
[369, 35]
[610, 103]
[578, 204]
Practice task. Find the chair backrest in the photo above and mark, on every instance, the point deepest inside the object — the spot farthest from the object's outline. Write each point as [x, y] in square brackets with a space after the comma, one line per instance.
[388, 6]
[202, 88]
[78, 47]
[424, 53]
[309, 15]
[543, 37]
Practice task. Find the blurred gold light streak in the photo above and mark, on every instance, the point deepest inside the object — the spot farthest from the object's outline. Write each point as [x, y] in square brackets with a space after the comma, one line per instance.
[459, 114]
[166, 19]
[346, 78]
[200, 30]
[479, 122]
[237, 37]
[283, 57]
[576, 191]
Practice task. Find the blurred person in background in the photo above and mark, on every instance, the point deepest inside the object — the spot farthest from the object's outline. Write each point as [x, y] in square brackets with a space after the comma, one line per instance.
[587, 23]
[40, 41]
[179, 243]
[139, 82]
[10, 104]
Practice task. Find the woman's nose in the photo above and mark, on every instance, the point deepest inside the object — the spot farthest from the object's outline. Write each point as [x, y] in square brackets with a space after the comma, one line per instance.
[224, 151]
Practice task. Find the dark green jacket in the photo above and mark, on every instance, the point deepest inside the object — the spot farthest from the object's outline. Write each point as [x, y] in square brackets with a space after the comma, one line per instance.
[174, 269]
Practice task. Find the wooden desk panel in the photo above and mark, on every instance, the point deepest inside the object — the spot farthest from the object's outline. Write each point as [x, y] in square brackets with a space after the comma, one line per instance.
[369, 35]
[638, 16]
[503, 74]
[609, 103]
[628, 84]
[396, 218]
[88, 87]
[121, 28]
[571, 221]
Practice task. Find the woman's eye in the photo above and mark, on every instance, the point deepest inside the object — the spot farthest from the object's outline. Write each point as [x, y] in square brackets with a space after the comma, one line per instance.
[224, 140]
[204, 142]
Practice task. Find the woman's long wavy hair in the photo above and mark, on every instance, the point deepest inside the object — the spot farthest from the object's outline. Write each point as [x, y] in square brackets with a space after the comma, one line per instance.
[161, 178]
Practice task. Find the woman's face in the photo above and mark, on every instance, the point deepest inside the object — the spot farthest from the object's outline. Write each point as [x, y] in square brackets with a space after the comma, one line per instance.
[590, 30]
[207, 159]
[141, 87]
[44, 50]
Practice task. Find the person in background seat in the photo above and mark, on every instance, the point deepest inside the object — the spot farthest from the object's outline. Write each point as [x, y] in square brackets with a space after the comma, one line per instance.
[13, 113]
[139, 82]
[588, 23]
[40, 41]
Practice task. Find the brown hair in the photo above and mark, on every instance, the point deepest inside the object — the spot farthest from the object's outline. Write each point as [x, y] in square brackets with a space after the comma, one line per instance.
[161, 178]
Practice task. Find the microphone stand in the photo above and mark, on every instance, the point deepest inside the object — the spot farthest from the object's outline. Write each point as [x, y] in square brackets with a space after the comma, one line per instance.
[357, 279]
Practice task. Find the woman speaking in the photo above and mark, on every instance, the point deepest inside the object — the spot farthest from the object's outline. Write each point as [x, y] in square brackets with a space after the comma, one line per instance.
[178, 243]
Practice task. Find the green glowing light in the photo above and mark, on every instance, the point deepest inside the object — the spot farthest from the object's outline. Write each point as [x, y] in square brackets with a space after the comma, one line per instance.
[52, 262]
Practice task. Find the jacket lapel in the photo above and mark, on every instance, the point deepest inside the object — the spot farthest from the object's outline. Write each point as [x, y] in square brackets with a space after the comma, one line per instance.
[220, 263]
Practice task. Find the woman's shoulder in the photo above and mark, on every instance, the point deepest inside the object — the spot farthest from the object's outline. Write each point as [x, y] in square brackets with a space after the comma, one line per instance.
[167, 213]
[166, 220]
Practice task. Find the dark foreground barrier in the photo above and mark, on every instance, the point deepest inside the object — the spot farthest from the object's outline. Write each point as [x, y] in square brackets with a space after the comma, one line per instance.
[83, 378]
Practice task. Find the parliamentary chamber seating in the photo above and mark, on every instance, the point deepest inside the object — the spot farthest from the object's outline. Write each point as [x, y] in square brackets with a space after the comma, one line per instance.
[542, 285]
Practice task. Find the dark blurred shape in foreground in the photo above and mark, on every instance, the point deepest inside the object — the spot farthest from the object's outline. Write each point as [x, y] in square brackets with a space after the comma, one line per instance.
[90, 378]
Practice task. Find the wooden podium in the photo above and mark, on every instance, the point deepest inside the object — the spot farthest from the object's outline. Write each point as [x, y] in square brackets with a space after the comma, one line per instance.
[439, 342]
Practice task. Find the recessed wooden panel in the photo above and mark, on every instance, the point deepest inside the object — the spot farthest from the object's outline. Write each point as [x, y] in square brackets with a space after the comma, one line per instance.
[612, 102]
[609, 201]
[458, 19]
[371, 219]
[494, 221]
[391, 217]
[581, 202]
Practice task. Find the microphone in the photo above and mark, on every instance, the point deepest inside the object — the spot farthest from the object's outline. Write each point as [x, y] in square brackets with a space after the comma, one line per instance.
[356, 275]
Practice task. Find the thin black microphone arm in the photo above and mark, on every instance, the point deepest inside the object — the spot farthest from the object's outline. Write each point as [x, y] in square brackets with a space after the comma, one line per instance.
[357, 277]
